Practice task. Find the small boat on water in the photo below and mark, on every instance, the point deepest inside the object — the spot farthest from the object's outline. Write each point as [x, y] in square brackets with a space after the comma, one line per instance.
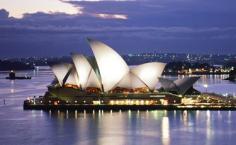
[12, 76]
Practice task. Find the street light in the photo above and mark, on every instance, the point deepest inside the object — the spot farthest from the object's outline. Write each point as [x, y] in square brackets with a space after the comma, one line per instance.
[205, 86]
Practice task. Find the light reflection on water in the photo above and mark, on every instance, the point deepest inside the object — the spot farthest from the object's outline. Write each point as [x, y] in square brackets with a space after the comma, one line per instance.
[152, 127]
[126, 127]
[19, 127]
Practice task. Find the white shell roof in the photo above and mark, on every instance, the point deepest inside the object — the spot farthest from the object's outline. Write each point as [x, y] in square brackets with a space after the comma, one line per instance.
[60, 71]
[72, 78]
[111, 65]
[93, 80]
[112, 71]
[179, 85]
[185, 83]
[83, 69]
[167, 84]
[130, 81]
[149, 73]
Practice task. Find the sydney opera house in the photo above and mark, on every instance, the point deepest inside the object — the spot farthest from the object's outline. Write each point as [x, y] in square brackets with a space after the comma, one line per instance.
[107, 79]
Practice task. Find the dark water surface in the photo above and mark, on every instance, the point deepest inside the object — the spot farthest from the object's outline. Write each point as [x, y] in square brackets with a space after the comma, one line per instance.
[19, 127]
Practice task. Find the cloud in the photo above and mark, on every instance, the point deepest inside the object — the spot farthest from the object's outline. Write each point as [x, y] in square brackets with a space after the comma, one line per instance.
[111, 16]
[18, 9]
[132, 25]
[3, 14]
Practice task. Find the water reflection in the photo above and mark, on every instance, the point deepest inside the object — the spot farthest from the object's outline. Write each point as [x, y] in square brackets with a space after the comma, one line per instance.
[165, 131]
[126, 127]
[208, 127]
[143, 127]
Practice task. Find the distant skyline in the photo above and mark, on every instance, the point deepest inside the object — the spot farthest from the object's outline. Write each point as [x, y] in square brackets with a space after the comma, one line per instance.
[58, 27]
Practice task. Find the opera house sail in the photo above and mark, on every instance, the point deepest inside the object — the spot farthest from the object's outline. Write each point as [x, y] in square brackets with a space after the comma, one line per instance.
[86, 74]
[179, 86]
[108, 72]
[61, 72]
[110, 63]
[149, 73]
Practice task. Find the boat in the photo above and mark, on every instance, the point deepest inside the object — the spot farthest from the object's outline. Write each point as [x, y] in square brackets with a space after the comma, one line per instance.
[12, 76]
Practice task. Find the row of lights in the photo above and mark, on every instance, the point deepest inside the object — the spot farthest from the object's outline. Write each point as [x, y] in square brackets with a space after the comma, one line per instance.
[112, 102]
[58, 102]
[130, 102]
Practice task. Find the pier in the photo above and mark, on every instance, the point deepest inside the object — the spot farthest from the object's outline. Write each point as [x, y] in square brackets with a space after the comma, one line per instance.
[40, 104]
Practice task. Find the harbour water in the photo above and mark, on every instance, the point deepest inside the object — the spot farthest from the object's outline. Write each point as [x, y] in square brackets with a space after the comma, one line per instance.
[19, 127]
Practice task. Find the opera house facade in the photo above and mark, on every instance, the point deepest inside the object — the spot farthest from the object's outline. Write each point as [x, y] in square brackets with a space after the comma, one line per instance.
[106, 78]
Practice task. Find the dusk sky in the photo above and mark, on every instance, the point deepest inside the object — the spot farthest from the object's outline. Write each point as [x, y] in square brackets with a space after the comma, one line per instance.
[58, 27]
